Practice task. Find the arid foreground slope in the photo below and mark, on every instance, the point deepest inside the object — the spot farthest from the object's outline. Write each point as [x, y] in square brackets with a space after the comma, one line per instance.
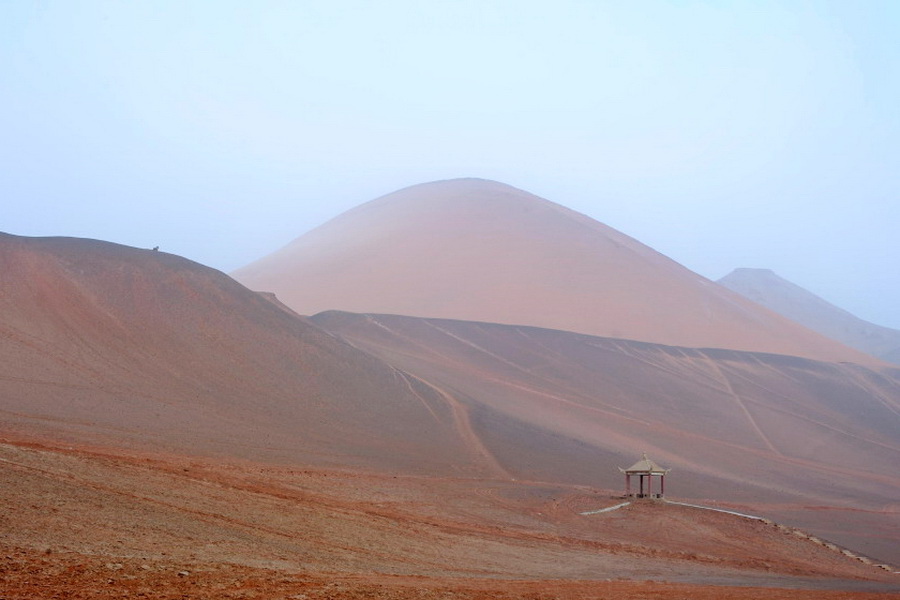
[478, 250]
[166, 432]
[89, 524]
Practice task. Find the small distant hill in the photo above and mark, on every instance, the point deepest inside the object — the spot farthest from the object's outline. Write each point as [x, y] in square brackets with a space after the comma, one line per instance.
[792, 301]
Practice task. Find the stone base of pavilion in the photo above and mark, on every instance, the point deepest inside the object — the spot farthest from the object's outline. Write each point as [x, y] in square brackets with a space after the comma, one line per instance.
[645, 496]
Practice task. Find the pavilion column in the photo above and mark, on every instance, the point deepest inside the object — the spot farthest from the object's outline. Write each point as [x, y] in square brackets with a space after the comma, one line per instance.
[662, 485]
[627, 485]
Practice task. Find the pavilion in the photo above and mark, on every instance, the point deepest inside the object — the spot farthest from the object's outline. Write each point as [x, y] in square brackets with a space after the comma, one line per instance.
[645, 468]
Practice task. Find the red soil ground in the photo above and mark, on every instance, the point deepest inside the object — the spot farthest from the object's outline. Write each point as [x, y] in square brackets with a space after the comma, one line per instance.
[89, 523]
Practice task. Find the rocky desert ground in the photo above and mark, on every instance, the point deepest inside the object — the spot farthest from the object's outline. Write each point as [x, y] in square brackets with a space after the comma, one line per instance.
[90, 522]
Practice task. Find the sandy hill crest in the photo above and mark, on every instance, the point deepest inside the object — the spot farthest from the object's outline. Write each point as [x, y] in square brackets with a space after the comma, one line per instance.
[765, 287]
[136, 348]
[481, 250]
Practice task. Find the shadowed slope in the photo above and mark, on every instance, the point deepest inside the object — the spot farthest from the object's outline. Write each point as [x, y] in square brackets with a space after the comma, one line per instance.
[114, 344]
[484, 251]
[734, 426]
[795, 303]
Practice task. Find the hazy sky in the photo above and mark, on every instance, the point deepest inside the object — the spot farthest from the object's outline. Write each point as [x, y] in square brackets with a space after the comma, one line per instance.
[723, 134]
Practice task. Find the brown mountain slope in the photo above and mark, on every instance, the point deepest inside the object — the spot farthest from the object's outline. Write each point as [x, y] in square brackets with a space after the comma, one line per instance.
[757, 428]
[118, 345]
[484, 251]
[780, 295]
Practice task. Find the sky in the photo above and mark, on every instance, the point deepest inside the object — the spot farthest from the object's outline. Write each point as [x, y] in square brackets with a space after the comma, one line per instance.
[722, 134]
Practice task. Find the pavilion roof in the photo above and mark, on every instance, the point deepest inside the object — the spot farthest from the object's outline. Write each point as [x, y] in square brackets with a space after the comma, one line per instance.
[645, 465]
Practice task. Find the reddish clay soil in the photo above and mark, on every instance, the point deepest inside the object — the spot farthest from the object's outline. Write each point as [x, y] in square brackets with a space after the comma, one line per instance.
[97, 523]
[27, 576]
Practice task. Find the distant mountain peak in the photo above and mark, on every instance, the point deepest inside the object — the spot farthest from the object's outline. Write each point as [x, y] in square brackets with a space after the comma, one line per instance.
[767, 288]
[755, 272]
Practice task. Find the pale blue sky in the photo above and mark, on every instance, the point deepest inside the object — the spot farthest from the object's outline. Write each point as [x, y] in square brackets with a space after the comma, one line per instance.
[723, 134]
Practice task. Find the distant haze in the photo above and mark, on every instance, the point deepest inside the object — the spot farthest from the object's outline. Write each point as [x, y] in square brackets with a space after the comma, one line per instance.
[722, 135]
[785, 298]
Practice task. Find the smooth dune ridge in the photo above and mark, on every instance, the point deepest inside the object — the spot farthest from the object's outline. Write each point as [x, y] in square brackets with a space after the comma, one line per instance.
[480, 250]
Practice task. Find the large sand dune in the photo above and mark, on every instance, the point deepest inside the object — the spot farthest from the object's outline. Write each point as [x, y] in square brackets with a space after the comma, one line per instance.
[483, 251]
